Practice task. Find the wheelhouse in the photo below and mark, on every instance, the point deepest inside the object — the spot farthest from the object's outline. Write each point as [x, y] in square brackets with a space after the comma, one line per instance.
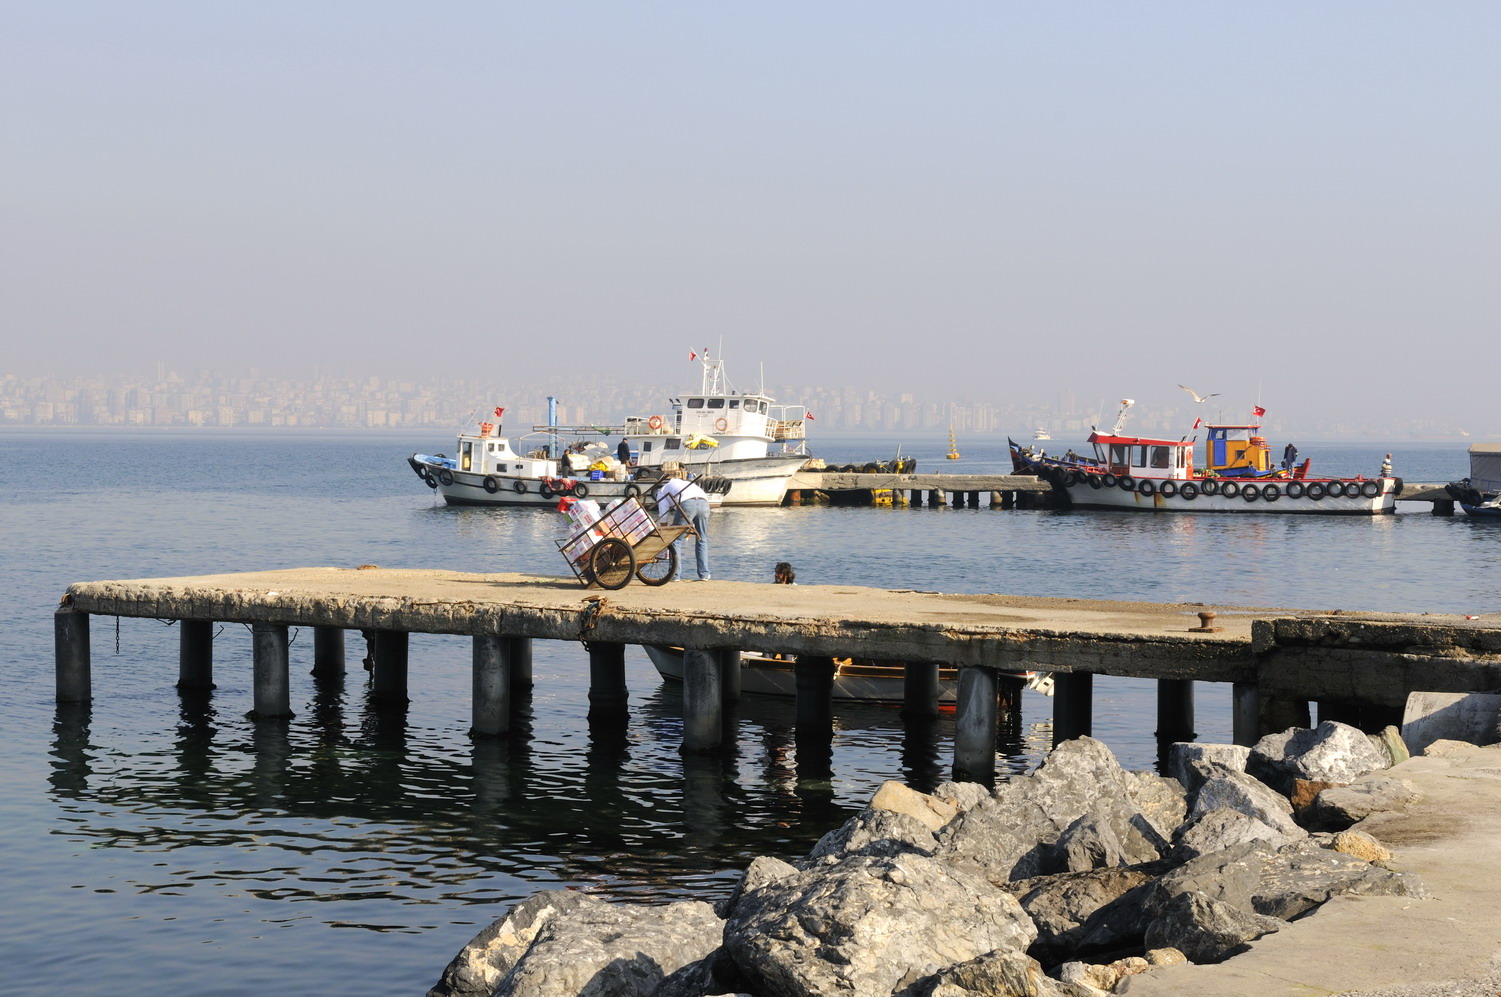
[1139, 457]
[1237, 451]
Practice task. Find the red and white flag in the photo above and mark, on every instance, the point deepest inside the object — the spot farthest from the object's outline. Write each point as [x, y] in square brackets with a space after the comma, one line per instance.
[499, 411]
[1258, 411]
[809, 415]
[692, 355]
[1198, 422]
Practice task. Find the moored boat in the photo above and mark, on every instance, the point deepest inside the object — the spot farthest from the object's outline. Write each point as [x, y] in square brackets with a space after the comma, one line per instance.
[1159, 475]
[1480, 493]
[742, 449]
[858, 681]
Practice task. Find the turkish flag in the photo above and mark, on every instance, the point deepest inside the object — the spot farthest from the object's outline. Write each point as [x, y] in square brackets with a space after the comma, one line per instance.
[499, 411]
[1258, 410]
[692, 355]
[810, 416]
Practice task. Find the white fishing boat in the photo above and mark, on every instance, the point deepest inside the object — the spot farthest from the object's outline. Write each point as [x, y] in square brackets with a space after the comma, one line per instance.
[1041, 433]
[1156, 475]
[854, 680]
[741, 448]
[1480, 493]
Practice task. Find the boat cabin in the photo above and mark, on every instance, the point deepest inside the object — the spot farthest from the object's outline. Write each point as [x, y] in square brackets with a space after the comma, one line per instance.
[1485, 468]
[1139, 457]
[486, 452]
[1237, 451]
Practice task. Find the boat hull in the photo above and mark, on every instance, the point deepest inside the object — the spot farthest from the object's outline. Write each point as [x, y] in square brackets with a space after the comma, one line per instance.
[1089, 491]
[884, 684]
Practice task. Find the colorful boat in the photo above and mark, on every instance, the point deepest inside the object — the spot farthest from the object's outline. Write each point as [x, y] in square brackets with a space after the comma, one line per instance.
[1157, 475]
[854, 680]
[742, 449]
[1480, 493]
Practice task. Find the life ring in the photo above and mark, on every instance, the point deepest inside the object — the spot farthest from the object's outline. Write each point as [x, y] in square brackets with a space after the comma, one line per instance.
[520, 487]
[580, 490]
[1147, 488]
[1295, 489]
[1371, 489]
[1126, 483]
[1271, 492]
[544, 489]
[655, 422]
[1229, 489]
[1250, 493]
[1336, 489]
[1316, 491]
[1189, 491]
[721, 424]
[1168, 489]
[1109, 480]
[632, 491]
[491, 485]
[445, 476]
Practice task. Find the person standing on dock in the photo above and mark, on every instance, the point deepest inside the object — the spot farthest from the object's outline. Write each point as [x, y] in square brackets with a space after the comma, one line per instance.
[692, 502]
[1386, 467]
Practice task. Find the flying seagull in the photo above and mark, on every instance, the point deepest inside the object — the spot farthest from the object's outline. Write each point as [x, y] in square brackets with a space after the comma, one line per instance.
[1197, 397]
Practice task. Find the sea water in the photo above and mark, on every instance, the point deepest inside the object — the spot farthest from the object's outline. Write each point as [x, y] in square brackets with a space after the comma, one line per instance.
[153, 842]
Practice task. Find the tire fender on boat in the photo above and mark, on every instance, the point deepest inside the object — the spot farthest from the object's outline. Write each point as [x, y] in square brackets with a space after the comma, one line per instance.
[1168, 489]
[1109, 479]
[1271, 493]
[1317, 491]
[1371, 489]
[580, 490]
[1093, 479]
[544, 489]
[1189, 491]
[491, 485]
[1126, 483]
[1251, 492]
[432, 482]
[1147, 488]
[445, 476]
[520, 487]
[1296, 489]
[1210, 487]
[1336, 489]
[632, 491]
[1229, 489]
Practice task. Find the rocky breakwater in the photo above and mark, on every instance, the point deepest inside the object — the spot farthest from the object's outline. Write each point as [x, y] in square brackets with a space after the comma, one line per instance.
[1062, 883]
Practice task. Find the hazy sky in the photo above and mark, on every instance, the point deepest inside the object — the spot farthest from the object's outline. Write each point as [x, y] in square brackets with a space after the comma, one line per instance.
[998, 198]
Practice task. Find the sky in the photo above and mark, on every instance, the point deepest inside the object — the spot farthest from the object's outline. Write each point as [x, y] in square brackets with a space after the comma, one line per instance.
[1295, 203]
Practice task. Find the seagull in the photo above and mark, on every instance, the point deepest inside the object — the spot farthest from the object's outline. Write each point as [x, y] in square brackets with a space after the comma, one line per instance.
[1197, 397]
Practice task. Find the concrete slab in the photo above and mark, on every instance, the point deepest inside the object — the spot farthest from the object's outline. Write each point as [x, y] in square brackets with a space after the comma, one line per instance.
[1451, 837]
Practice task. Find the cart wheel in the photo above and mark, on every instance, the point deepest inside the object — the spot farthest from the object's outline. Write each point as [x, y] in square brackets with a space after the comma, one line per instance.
[612, 563]
[661, 569]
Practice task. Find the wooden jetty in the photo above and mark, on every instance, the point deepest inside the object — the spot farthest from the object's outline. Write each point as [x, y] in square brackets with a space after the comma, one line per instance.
[1357, 667]
[997, 491]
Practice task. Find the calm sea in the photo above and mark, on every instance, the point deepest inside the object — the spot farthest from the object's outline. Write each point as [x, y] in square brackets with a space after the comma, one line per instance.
[155, 844]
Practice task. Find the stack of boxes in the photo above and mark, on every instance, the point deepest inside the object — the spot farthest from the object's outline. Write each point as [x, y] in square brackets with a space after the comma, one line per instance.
[625, 519]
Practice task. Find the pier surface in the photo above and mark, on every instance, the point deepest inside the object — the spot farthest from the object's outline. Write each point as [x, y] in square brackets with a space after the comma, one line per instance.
[1375, 657]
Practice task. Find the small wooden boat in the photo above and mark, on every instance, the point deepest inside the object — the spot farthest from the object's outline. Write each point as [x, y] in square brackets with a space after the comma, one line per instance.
[859, 681]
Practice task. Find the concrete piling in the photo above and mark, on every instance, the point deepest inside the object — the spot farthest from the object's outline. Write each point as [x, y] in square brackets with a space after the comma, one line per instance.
[490, 707]
[1175, 710]
[70, 638]
[608, 695]
[703, 702]
[729, 674]
[974, 725]
[272, 689]
[328, 652]
[1073, 706]
[195, 655]
[1245, 713]
[920, 689]
[388, 672]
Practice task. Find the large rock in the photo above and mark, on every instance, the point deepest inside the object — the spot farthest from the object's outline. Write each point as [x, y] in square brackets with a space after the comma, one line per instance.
[877, 832]
[1239, 791]
[995, 974]
[999, 842]
[1340, 806]
[1204, 929]
[1218, 829]
[1230, 875]
[1302, 876]
[1061, 904]
[868, 926]
[1162, 801]
[614, 950]
[1187, 761]
[1331, 752]
[897, 798]
[480, 965]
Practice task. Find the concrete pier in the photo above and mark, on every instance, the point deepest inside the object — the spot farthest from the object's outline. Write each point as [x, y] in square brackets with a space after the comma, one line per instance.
[608, 696]
[974, 725]
[491, 688]
[920, 689]
[328, 651]
[1276, 661]
[195, 655]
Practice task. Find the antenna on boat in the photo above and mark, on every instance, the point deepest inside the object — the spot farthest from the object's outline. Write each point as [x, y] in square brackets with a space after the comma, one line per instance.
[1120, 419]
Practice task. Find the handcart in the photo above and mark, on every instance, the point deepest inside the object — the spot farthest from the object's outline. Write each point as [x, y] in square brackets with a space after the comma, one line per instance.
[626, 541]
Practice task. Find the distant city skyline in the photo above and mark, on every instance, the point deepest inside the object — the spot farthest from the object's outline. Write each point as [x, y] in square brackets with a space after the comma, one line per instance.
[254, 400]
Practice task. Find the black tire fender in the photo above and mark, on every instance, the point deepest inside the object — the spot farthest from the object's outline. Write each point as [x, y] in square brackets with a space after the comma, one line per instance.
[1189, 491]
[1229, 489]
[491, 485]
[445, 476]
[520, 487]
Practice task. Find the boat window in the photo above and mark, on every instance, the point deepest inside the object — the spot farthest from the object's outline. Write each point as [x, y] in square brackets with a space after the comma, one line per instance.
[734, 403]
[1141, 455]
[467, 454]
[716, 403]
[1159, 457]
[673, 444]
[1119, 453]
[695, 403]
[646, 446]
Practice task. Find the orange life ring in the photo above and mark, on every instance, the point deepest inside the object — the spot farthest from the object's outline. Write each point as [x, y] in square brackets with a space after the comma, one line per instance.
[720, 424]
[655, 422]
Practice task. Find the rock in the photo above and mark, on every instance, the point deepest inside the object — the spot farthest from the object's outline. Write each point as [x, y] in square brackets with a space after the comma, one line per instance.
[1301, 876]
[1454, 716]
[1001, 843]
[897, 798]
[1362, 846]
[1239, 791]
[995, 974]
[1218, 829]
[1304, 791]
[480, 965]
[1080, 975]
[1168, 956]
[961, 795]
[1341, 806]
[1059, 905]
[869, 925]
[1182, 756]
[1331, 752]
[1230, 875]
[1090, 843]
[1389, 742]
[877, 832]
[1204, 929]
[613, 950]
[1162, 801]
